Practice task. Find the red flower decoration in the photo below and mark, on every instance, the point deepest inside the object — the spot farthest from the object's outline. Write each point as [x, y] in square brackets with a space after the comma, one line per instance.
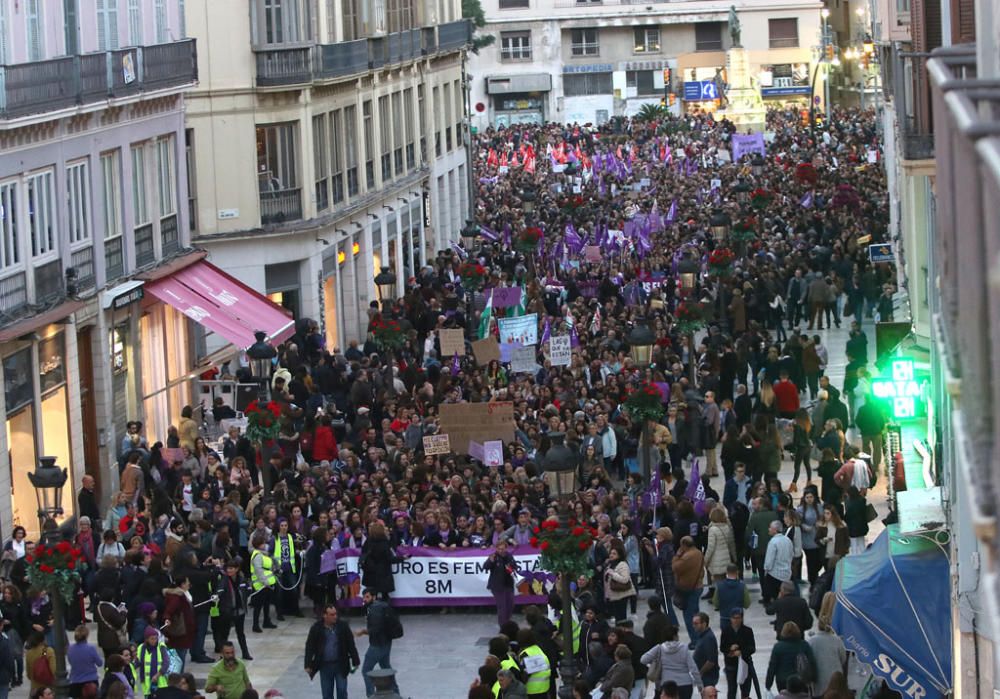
[545, 545]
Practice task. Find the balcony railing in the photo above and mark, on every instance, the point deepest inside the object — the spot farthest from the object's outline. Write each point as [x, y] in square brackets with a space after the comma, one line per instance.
[169, 240]
[966, 114]
[114, 258]
[912, 98]
[60, 83]
[83, 262]
[13, 293]
[280, 206]
[295, 65]
[145, 252]
[48, 282]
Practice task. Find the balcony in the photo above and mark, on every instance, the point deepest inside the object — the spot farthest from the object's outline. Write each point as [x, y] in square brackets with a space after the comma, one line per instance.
[61, 83]
[301, 65]
[13, 293]
[169, 239]
[145, 252]
[83, 262]
[279, 206]
[966, 114]
[48, 282]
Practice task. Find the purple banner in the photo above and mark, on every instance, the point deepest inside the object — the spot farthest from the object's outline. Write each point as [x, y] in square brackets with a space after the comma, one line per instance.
[504, 297]
[747, 143]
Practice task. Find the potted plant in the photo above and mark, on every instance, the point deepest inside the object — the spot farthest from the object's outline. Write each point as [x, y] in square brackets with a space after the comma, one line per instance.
[55, 569]
[262, 421]
[644, 403]
[690, 317]
[760, 198]
[720, 262]
[565, 549]
[805, 173]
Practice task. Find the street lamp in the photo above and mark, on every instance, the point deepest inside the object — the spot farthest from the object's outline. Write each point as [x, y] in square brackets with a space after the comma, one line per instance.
[741, 192]
[640, 342]
[561, 461]
[528, 197]
[385, 284]
[688, 270]
[470, 234]
[261, 355]
[48, 481]
[719, 224]
[757, 165]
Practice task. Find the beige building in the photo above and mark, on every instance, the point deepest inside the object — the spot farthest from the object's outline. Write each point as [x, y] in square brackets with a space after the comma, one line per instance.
[589, 60]
[326, 140]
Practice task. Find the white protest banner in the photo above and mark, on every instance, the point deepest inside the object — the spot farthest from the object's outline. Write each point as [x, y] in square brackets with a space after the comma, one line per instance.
[560, 350]
[437, 444]
[522, 359]
[493, 453]
[430, 576]
[522, 330]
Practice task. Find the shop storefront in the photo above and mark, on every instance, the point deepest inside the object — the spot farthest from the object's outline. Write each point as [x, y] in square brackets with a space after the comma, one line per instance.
[518, 99]
[785, 83]
[702, 88]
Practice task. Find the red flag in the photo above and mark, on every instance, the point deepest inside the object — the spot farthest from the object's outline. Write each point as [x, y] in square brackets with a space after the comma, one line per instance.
[529, 165]
[491, 158]
[513, 160]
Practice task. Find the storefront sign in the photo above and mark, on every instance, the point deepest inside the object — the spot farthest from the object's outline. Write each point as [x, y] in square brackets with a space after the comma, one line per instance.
[785, 91]
[591, 68]
[128, 298]
[426, 200]
[900, 389]
[700, 90]
[430, 576]
[881, 252]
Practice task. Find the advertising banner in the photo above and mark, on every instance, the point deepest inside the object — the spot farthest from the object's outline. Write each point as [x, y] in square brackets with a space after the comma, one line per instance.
[453, 577]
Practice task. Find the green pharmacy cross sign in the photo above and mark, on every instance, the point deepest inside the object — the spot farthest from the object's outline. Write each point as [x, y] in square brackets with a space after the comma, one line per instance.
[900, 389]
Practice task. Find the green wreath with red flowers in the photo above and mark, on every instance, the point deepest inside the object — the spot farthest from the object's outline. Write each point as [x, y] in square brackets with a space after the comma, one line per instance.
[263, 421]
[644, 403]
[55, 569]
[565, 549]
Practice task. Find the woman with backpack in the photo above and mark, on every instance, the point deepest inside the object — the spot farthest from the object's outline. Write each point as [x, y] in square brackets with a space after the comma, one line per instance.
[790, 656]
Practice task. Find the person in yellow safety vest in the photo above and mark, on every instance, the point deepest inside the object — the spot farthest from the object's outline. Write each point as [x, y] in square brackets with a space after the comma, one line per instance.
[287, 601]
[262, 579]
[152, 661]
[534, 665]
[500, 650]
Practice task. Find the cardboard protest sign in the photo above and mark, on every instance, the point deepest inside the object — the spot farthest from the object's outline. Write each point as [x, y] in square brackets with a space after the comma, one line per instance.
[560, 350]
[522, 359]
[476, 422]
[486, 350]
[452, 342]
[437, 444]
[493, 453]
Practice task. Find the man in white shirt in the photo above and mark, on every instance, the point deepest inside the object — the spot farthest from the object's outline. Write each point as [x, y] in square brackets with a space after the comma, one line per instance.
[777, 562]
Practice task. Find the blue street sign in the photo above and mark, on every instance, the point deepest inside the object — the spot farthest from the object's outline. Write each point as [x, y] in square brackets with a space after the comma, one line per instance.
[881, 252]
[700, 90]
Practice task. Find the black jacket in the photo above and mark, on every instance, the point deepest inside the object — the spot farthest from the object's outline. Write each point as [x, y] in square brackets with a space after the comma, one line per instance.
[377, 558]
[88, 506]
[345, 640]
[792, 608]
[742, 638]
[379, 623]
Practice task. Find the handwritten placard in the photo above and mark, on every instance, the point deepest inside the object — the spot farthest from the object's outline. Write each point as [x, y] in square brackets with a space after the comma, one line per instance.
[486, 350]
[560, 350]
[435, 444]
[522, 359]
[492, 453]
[452, 342]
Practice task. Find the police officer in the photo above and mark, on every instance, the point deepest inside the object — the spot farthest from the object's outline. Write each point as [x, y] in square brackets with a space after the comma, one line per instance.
[262, 580]
[535, 665]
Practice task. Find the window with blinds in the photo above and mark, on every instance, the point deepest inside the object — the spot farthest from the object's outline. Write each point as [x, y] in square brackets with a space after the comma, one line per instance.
[107, 25]
[33, 24]
[783, 33]
[135, 22]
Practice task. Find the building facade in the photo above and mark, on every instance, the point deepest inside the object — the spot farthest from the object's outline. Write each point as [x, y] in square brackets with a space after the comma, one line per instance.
[91, 182]
[590, 60]
[940, 68]
[326, 141]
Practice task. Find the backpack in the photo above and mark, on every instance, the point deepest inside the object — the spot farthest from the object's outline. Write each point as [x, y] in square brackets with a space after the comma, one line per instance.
[41, 673]
[804, 668]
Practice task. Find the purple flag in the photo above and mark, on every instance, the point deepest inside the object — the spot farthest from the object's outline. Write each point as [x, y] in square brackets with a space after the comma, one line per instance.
[459, 251]
[806, 201]
[573, 240]
[672, 213]
[456, 367]
[489, 234]
[696, 489]
[507, 233]
[547, 330]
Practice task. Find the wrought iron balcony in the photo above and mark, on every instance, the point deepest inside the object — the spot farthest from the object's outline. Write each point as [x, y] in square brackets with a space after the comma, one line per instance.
[280, 205]
[60, 83]
[454, 35]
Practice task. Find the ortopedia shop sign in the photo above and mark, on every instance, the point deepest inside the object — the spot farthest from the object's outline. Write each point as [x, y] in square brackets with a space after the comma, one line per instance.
[429, 576]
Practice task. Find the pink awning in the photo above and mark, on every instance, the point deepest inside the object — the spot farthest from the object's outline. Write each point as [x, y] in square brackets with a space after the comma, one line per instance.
[224, 305]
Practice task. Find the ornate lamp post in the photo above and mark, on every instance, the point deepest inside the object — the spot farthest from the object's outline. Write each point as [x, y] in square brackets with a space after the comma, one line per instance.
[741, 192]
[470, 235]
[561, 461]
[757, 165]
[48, 481]
[688, 270]
[385, 284]
[719, 224]
[261, 354]
[641, 341]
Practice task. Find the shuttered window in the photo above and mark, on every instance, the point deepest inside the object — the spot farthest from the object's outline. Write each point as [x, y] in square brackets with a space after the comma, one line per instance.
[107, 25]
[160, 9]
[783, 33]
[134, 22]
[33, 23]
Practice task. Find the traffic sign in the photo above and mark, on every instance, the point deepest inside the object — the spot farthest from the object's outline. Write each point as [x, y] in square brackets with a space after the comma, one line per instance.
[881, 252]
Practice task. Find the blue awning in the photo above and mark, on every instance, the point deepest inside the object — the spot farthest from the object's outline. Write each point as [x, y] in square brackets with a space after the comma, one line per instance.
[894, 611]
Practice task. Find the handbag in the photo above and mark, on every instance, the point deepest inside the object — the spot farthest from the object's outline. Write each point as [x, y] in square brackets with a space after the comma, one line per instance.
[870, 514]
[680, 602]
[742, 671]
[654, 669]
[41, 673]
[619, 586]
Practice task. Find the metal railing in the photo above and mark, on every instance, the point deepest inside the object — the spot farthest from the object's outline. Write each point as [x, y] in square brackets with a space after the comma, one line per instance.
[911, 96]
[145, 252]
[83, 262]
[299, 64]
[169, 239]
[13, 293]
[42, 86]
[48, 281]
[280, 206]
[966, 114]
[114, 258]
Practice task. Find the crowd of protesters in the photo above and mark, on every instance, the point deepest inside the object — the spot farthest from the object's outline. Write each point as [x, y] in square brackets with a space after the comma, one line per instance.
[193, 545]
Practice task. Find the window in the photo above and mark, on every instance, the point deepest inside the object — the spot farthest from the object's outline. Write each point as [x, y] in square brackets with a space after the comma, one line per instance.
[160, 16]
[78, 201]
[584, 42]
[10, 244]
[3, 33]
[181, 21]
[107, 25]
[165, 182]
[321, 156]
[369, 133]
[578, 84]
[708, 36]
[783, 33]
[903, 7]
[410, 125]
[436, 97]
[277, 168]
[459, 112]
[647, 39]
[351, 148]
[400, 15]
[385, 135]
[135, 22]
[514, 4]
[398, 132]
[515, 46]
[111, 179]
[71, 27]
[446, 115]
[588, 2]
[336, 155]
[140, 203]
[421, 122]
[192, 180]
[352, 20]
[642, 81]
[41, 213]
[282, 21]
[33, 23]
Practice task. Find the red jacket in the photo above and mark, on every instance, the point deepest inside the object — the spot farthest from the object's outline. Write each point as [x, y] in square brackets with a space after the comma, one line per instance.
[178, 607]
[786, 396]
[324, 444]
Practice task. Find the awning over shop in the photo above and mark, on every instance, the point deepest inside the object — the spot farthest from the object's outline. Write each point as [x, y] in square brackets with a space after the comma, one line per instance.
[222, 304]
[893, 611]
